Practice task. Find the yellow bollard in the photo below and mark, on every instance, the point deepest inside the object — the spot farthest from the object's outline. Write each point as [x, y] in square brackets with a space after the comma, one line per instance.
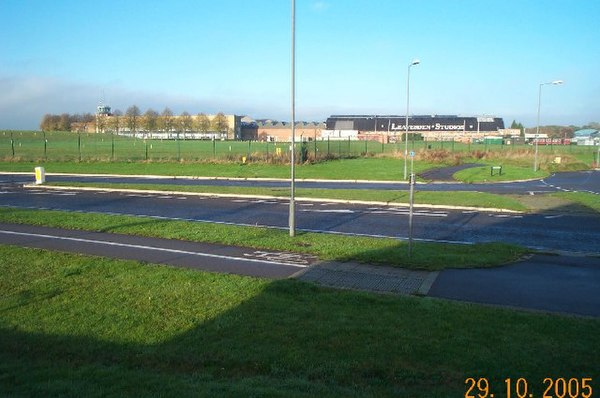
[40, 175]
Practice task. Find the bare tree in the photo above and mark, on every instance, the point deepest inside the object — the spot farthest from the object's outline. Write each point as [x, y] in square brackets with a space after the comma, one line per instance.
[115, 121]
[150, 120]
[166, 120]
[220, 123]
[202, 123]
[132, 116]
[186, 121]
[65, 122]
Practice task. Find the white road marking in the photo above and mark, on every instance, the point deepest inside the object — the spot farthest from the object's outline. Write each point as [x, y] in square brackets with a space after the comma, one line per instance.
[344, 211]
[504, 216]
[293, 258]
[552, 217]
[160, 249]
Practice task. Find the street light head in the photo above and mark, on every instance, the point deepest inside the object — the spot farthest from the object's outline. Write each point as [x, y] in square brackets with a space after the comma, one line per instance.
[415, 62]
[557, 82]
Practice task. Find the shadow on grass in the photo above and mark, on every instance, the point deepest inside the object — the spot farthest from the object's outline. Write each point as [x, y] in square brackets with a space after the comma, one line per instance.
[293, 339]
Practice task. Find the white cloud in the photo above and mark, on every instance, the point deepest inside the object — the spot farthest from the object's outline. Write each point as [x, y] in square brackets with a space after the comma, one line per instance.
[25, 100]
[320, 6]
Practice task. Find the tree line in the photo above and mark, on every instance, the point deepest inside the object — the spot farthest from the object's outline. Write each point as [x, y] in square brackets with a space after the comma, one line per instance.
[65, 121]
[134, 120]
[554, 131]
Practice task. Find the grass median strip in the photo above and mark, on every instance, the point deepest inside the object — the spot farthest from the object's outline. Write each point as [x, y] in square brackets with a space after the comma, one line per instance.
[450, 198]
[76, 326]
[329, 247]
[588, 200]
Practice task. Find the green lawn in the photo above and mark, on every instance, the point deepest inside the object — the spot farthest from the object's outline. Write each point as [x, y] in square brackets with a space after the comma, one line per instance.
[450, 198]
[589, 200]
[75, 326]
[509, 173]
[429, 256]
[389, 169]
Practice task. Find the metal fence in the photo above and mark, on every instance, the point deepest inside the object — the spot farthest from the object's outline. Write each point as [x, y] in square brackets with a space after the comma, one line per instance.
[67, 146]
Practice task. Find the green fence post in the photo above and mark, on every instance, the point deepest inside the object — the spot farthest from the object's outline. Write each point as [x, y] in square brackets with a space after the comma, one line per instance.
[112, 146]
[327, 147]
[248, 154]
[79, 145]
[12, 144]
[45, 146]
[366, 147]
[349, 147]
[315, 148]
[267, 142]
[178, 147]
[146, 148]
[452, 144]
[214, 148]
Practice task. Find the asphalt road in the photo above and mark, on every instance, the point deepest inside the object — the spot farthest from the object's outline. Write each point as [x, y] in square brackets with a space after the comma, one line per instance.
[207, 257]
[587, 181]
[554, 231]
[546, 283]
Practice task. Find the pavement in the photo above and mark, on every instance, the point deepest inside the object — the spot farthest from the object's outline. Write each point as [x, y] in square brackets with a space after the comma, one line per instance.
[556, 284]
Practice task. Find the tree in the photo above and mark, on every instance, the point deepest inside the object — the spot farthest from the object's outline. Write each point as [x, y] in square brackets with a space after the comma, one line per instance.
[186, 121]
[202, 123]
[64, 122]
[515, 125]
[132, 116]
[115, 120]
[150, 120]
[220, 123]
[166, 120]
[47, 124]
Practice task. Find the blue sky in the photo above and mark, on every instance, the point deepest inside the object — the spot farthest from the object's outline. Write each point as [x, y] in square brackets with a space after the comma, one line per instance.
[477, 57]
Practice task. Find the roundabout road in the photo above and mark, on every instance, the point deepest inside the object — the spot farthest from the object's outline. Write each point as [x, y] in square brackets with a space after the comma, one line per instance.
[582, 181]
[551, 230]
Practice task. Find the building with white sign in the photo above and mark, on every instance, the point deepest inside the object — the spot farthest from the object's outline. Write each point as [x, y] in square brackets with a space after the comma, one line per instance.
[391, 128]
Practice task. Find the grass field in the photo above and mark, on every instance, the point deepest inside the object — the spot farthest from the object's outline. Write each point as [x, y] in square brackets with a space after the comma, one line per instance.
[448, 198]
[428, 256]
[76, 326]
[64, 146]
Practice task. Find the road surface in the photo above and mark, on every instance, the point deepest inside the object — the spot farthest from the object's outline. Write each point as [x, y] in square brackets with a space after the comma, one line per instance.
[554, 230]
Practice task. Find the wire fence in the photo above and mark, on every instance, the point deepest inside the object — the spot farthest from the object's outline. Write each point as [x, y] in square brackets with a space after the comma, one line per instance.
[67, 146]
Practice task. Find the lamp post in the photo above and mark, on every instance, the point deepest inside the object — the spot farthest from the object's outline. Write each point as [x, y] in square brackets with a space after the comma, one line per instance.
[414, 62]
[292, 211]
[537, 131]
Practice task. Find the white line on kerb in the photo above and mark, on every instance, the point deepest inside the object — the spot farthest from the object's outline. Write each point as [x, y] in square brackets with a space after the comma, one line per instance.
[161, 249]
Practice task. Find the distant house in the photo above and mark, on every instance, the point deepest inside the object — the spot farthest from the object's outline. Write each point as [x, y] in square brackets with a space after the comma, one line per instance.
[587, 137]
[275, 131]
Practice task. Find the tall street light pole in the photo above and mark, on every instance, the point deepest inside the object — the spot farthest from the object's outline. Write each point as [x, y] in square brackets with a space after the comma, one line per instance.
[292, 215]
[414, 62]
[537, 131]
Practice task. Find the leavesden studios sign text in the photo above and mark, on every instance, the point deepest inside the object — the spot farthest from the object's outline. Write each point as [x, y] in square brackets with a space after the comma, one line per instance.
[428, 127]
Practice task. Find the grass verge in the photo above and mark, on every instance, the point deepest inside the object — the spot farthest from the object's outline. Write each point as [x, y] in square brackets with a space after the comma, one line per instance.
[430, 256]
[469, 199]
[384, 168]
[588, 200]
[76, 326]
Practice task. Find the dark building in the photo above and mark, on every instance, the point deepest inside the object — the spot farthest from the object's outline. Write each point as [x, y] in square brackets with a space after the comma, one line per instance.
[417, 123]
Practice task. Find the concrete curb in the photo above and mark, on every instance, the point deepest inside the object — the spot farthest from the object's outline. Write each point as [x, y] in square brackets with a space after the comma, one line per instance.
[201, 178]
[299, 199]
